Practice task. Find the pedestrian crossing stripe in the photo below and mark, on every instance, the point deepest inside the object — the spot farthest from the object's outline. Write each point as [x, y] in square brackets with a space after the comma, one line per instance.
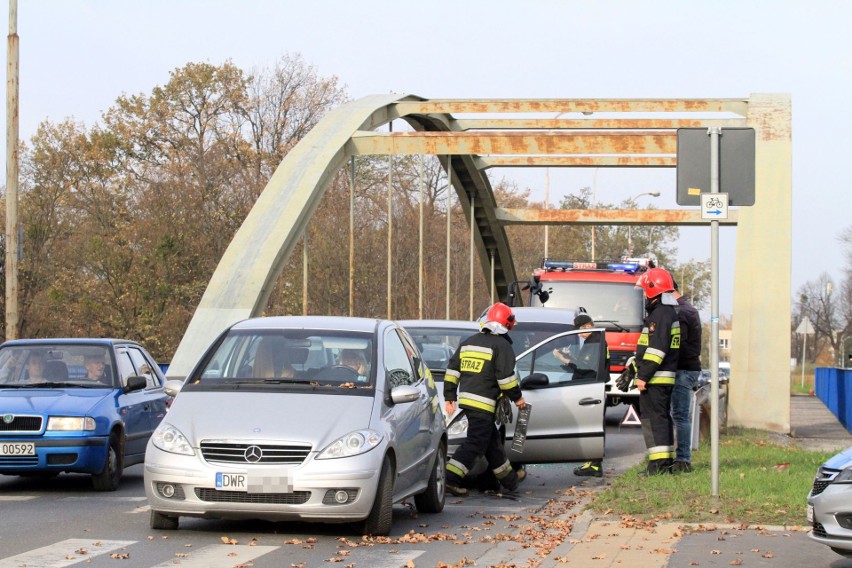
[219, 556]
[64, 553]
[631, 418]
[17, 497]
[81, 551]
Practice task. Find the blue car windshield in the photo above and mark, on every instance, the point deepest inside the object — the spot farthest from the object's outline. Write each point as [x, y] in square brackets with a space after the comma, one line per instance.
[290, 357]
[45, 365]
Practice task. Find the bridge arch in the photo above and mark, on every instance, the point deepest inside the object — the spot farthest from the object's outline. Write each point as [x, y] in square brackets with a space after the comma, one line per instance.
[241, 284]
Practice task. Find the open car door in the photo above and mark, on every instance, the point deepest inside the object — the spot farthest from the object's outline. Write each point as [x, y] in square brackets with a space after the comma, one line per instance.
[568, 400]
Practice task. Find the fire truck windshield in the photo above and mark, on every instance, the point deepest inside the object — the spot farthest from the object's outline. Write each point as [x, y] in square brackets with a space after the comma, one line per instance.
[611, 304]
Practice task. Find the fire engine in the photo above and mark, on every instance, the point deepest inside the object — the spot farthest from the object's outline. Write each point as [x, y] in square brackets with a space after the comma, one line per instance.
[607, 290]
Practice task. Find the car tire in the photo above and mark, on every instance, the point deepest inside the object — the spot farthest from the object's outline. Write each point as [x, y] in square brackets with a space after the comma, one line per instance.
[432, 500]
[378, 522]
[110, 476]
[162, 522]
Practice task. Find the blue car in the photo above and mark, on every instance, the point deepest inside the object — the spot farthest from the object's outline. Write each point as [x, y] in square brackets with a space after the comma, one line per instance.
[77, 406]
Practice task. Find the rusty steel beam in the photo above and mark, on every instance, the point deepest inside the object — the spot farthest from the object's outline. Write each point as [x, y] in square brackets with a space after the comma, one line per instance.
[577, 161]
[593, 124]
[464, 106]
[508, 216]
[473, 143]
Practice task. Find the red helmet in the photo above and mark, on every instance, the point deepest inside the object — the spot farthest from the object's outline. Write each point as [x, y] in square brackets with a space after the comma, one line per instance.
[656, 281]
[502, 314]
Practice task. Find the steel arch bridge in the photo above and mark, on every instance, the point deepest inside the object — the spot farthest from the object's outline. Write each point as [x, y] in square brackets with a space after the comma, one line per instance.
[483, 133]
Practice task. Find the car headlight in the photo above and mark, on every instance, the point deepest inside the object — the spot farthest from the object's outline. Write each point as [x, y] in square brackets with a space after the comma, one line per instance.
[845, 476]
[459, 427]
[170, 439]
[71, 423]
[351, 444]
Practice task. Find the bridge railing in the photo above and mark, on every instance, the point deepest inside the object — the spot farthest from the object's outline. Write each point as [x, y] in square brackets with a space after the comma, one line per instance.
[833, 386]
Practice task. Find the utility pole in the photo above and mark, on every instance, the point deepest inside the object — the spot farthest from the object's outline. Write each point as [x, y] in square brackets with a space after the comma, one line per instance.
[12, 174]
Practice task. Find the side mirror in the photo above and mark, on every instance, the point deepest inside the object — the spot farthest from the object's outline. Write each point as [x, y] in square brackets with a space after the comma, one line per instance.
[535, 381]
[172, 387]
[135, 383]
[404, 393]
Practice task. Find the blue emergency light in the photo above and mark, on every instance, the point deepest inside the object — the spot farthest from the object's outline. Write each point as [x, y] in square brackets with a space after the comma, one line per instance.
[628, 267]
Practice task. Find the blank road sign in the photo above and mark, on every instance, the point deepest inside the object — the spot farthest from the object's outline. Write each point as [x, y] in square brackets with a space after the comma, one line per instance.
[736, 165]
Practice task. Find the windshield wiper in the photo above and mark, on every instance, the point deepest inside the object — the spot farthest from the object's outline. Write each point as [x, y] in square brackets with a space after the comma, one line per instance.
[272, 381]
[45, 385]
[613, 322]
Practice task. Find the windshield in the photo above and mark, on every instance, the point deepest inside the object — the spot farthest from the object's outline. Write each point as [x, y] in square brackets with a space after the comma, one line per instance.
[437, 345]
[608, 303]
[56, 364]
[290, 357]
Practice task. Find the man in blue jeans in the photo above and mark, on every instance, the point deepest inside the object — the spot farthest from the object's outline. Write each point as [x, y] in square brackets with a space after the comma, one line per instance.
[688, 371]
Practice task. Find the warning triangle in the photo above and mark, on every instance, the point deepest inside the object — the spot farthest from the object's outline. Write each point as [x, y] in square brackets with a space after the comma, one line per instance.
[631, 418]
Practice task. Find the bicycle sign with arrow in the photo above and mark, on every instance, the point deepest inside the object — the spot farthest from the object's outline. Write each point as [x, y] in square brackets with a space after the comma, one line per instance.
[714, 206]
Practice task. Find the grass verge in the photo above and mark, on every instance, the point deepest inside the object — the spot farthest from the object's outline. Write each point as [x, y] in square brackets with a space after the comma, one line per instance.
[760, 482]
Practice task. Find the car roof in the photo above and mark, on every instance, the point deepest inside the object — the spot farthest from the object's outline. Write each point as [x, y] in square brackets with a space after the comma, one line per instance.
[101, 341]
[325, 323]
[440, 324]
[527, 314]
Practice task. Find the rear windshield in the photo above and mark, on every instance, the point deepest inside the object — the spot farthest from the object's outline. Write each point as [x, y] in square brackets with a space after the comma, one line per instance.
[63, 365]
[290, 357]
[437, 345]
[525, 334]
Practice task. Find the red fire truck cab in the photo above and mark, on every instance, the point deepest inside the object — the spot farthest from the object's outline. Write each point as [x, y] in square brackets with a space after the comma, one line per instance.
[607, 290]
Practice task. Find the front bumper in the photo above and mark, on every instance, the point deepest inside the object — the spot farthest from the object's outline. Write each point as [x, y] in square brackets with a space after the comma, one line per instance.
[832, 517]
[73, 454]
[186, 486]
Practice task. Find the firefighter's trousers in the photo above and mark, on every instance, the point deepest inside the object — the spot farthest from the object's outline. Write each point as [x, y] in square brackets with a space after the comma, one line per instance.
[483, 438]
[657, 426]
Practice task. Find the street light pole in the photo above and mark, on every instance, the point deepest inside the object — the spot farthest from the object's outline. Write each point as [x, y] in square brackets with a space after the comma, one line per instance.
[12, 113]
[592, 204]
[629, 233]
[546, 207]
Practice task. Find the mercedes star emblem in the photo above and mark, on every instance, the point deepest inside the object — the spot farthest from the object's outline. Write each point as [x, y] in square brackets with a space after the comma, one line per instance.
[253, 454]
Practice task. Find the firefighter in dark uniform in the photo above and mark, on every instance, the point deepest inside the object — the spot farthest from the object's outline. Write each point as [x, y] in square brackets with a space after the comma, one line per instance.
[655, 366]
[479, 372]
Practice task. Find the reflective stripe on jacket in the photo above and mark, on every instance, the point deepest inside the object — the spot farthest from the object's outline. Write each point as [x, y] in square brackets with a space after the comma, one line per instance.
[659, 346]
[481, 369]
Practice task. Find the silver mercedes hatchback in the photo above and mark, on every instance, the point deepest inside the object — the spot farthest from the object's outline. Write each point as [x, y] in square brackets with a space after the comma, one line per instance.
[330, 419]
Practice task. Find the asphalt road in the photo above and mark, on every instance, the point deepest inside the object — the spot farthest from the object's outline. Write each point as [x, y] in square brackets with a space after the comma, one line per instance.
[62, 522]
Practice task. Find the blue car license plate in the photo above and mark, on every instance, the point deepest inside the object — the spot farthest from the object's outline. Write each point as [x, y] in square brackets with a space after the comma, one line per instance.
[17, 449]
[231, 481]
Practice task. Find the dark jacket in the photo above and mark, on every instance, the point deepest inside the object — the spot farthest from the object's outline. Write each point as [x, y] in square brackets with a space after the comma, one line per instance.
[690, 336]
[481, 369]
[659, 345]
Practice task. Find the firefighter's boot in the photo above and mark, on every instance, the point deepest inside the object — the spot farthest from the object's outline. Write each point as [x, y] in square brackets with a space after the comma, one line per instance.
[589, 469]
[657, 467]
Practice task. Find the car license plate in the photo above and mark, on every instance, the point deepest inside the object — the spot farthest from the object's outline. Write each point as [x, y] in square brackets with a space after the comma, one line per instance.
[231, 481]
[810, 513]
[17, 449]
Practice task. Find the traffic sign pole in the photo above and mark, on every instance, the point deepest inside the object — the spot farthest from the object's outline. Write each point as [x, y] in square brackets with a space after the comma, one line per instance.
[714, 133]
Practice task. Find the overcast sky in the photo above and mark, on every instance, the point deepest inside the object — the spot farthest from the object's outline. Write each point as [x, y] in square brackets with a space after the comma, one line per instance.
[77, 56]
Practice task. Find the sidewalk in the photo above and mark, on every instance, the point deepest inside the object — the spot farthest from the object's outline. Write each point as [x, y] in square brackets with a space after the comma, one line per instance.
[613, 542]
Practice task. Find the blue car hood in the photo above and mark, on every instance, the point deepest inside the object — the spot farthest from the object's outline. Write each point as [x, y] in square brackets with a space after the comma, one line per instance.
[73, 402]
[294, 417]
[841, 460]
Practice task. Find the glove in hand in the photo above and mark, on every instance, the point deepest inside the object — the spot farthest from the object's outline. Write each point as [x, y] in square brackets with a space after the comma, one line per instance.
[625, 380]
